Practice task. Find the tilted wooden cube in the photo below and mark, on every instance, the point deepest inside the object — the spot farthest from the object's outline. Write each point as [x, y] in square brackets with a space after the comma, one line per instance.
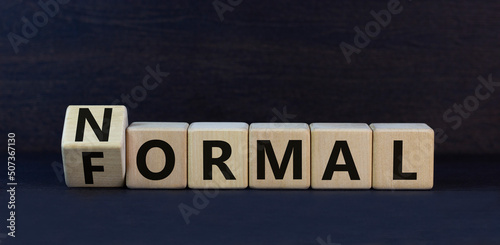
[157, 155]
[403, 156]
[341, 156]
[218, 155]
[93, 146]
[279, 155]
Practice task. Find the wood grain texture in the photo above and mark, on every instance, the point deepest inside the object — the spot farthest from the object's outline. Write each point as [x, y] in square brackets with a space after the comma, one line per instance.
[358, 140]
[235, 136]
[280, 137]
[112, 159]
[175, 135]
[264, 55]
[417, 142]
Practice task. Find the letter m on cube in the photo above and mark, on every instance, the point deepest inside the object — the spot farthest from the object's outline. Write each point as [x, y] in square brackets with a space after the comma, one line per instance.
[93, 146]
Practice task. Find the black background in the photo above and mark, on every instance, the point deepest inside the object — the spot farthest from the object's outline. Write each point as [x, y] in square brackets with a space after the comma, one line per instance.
[265, 58]
[263, 55]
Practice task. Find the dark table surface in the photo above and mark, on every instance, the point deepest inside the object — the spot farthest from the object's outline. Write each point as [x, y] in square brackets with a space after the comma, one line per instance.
[462, 208]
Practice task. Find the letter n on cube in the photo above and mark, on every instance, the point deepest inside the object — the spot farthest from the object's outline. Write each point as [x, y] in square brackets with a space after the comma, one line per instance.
[93, 146]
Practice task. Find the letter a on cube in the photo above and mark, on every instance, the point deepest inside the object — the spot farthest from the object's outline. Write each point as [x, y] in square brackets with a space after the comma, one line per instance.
[341, 156]
[93, 146]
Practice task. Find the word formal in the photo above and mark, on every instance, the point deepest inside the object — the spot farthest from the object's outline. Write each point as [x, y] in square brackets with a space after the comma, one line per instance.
[100, 149]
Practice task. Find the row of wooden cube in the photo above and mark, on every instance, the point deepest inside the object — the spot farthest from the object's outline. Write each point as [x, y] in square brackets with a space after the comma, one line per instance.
[100, 150]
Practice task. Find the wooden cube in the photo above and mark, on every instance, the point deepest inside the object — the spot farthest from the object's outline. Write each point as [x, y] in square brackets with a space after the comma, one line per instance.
[279, 155]
[341, 156]
[93, 146]
[218, 155]
[157, 155]
[403, 156]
